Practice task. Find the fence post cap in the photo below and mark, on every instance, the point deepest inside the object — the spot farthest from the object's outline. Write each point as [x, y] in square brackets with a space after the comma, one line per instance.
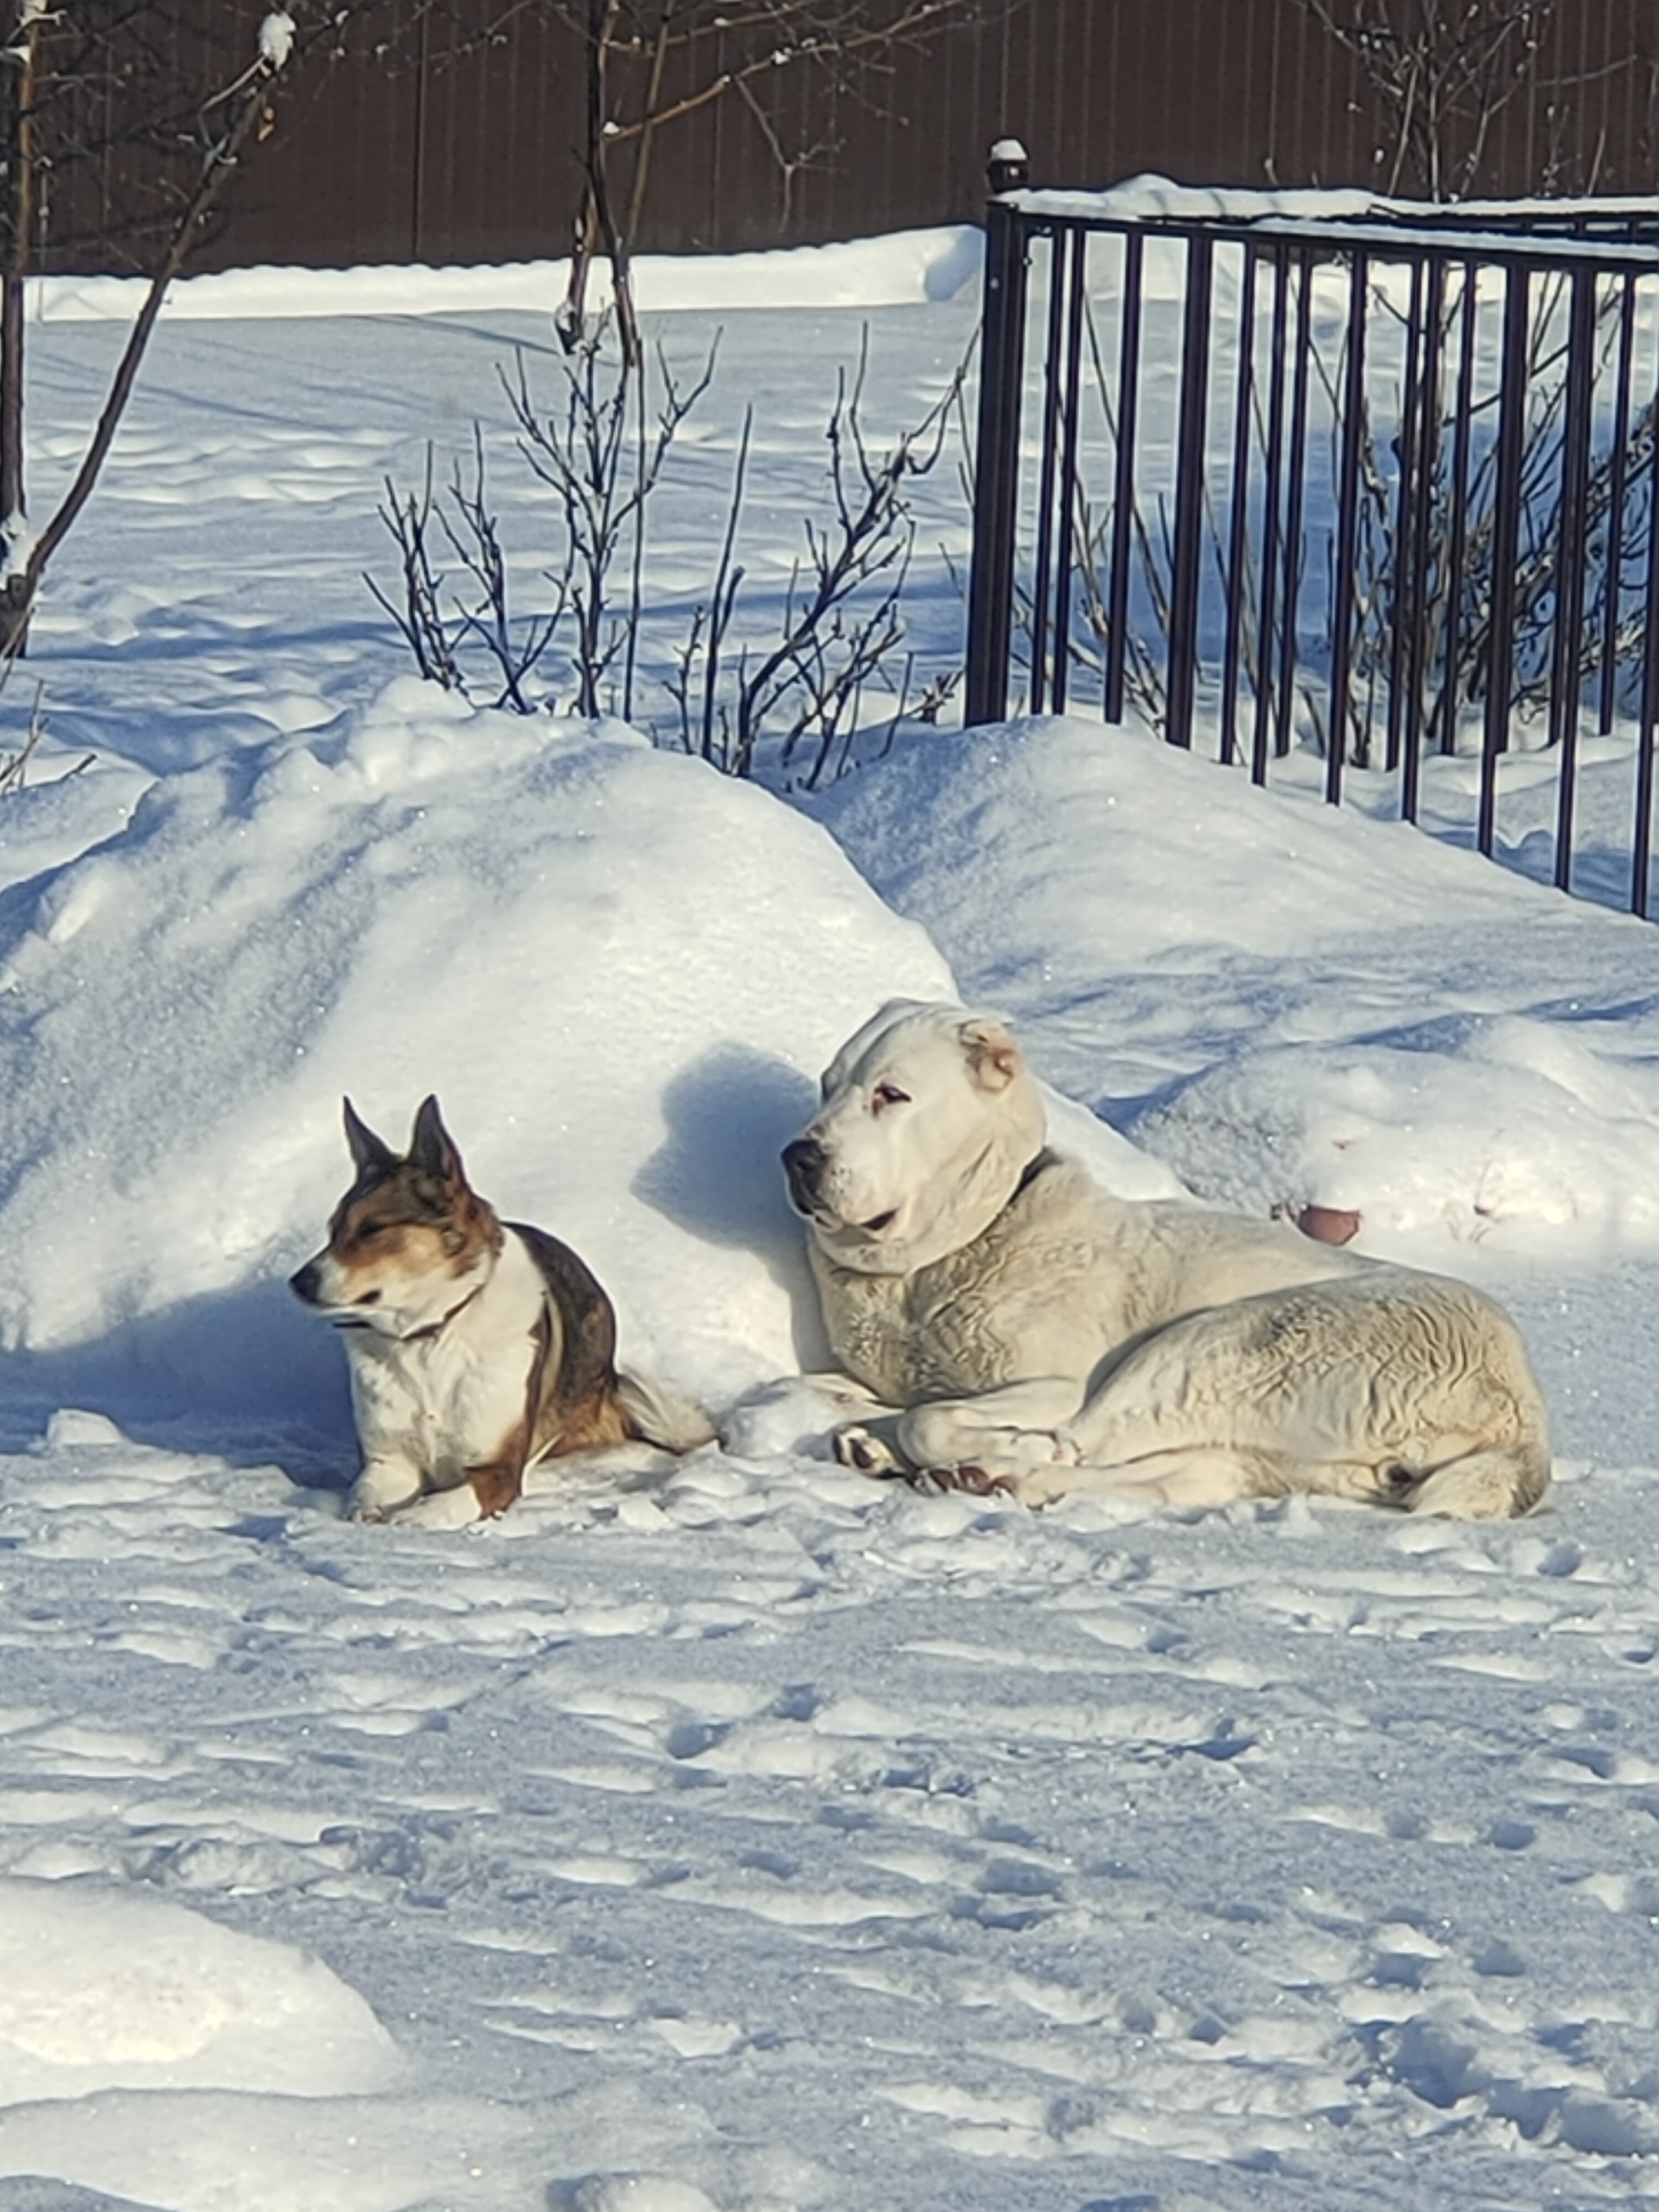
[1009, 167]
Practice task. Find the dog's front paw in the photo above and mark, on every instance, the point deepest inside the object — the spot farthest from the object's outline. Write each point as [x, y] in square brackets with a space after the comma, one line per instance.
[863, 1449]
[977, 1481]
[382, 1489]
[1033, 1469]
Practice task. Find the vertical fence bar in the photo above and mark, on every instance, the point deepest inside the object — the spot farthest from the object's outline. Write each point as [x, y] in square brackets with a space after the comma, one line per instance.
[1077, 295]
[1238, 533]
[1618, 480]
[1506, 533]
[1128, 417]
[1342, 583]
[1642, 837]
[1403, 626]
[1296, 464]
[1261, 735]
[1427, 450]
[1182, 667]
[996, 466]
[1043, 558]
[1571, 523]
[1456, 525]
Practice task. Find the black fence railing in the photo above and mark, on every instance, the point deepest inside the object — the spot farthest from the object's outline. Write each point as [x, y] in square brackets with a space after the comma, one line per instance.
[1373, 492]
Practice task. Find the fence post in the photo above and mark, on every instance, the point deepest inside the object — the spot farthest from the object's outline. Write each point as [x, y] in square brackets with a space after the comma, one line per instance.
[997, 456]
[1351, 438]
[1128, 419]
[1506, 541]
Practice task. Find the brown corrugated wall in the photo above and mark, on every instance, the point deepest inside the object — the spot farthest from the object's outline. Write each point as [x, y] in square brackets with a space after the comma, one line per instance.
[473, 156]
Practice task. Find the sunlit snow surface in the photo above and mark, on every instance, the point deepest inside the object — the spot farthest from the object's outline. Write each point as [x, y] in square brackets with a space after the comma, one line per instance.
[741, 1834]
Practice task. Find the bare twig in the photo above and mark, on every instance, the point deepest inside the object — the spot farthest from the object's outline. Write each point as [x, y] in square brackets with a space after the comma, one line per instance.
[580, 452]
[840, 624]
[419, 616]
[230, 120]
[1443, 72]
[650, 64]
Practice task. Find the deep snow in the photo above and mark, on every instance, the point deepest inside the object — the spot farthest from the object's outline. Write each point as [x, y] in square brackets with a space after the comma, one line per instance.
[741, 1834]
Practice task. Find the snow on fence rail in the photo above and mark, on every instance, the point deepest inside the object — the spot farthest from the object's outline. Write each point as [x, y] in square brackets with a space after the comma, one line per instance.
[1375, 484]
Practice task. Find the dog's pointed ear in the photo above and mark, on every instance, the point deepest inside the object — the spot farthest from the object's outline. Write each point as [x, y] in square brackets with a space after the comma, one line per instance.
[432, 1147]
[367, 1149]
[994, 1059]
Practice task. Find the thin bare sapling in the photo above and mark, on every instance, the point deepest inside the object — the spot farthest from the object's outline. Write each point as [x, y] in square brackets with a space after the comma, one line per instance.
[840, 628]
[450, 627]
[601, 452]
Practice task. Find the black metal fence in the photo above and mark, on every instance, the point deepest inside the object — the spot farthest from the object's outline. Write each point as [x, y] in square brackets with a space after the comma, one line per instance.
[1369, 493]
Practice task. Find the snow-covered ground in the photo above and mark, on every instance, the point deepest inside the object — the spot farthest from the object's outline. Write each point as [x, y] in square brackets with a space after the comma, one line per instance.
[738, 1832]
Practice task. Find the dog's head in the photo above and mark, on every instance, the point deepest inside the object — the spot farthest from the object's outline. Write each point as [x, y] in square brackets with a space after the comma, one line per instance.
[408, 1239]
[930, 1118]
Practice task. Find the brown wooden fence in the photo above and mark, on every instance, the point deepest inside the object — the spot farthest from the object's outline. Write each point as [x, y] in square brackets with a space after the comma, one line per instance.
[473, 155]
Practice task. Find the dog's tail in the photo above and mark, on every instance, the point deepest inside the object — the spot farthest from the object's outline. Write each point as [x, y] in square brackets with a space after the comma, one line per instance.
[658, 1414]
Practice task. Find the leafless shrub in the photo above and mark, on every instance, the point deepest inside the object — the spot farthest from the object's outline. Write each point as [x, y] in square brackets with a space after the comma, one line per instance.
[1442, 73]
[15, 766]
[601, 454]
[440, 623]
[798, 687]
[840, 628]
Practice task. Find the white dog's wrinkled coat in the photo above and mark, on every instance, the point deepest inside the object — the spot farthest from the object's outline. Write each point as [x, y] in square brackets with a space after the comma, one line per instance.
[1040, 1335]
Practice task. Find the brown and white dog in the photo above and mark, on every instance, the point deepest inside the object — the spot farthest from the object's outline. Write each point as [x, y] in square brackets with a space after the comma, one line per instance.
[477, 1347]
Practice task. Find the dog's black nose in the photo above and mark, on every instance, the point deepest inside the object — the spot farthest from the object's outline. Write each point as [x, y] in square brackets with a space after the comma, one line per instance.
[804, 1162]
[306, 1282]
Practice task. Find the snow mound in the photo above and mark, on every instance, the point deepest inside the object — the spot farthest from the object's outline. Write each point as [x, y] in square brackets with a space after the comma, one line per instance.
[1059, 843]
[114, 1990]
[1502, 1132]
[225, 2151]
[620, 972]
[900, 269]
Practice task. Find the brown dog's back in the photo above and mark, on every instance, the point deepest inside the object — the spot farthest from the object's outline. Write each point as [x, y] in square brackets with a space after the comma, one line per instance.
[574, 1400]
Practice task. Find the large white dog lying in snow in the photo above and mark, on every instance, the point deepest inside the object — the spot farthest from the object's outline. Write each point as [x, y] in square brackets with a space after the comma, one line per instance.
[1039, 1336]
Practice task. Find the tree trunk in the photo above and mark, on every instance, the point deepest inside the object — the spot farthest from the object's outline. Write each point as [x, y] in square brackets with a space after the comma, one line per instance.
[16, 592]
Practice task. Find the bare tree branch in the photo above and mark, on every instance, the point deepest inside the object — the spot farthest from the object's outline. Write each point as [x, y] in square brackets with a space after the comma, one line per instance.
[650, 64]
[1443, 72]
[223, 121]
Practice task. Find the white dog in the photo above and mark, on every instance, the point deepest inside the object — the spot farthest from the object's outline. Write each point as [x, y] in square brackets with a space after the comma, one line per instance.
[1039, 1336]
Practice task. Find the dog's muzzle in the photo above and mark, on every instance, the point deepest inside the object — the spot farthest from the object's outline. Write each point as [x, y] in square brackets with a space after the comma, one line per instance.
[306, 1282]
[805, 1162]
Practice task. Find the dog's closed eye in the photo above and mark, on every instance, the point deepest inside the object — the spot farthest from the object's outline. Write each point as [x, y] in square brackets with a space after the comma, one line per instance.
[888, 1093]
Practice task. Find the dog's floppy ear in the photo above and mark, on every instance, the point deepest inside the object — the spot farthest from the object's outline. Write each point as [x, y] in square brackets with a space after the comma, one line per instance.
[367, 1149]
[432, 1147]
[993, 1057]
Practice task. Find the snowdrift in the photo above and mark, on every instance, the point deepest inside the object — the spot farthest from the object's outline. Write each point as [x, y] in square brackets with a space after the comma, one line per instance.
[190, 2005]
[620, 972]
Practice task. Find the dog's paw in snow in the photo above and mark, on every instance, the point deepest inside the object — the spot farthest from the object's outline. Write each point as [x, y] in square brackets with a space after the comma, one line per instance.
[861, 1447]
